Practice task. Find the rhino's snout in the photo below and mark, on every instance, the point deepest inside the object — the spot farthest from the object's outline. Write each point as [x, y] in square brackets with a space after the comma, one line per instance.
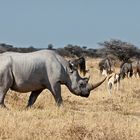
[85, 92]
[85, 95]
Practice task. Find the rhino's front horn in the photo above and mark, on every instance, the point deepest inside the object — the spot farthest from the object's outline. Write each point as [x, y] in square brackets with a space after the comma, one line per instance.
[91, 86]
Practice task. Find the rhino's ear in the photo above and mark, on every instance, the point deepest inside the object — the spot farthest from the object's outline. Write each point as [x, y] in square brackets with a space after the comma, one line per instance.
[71, 67]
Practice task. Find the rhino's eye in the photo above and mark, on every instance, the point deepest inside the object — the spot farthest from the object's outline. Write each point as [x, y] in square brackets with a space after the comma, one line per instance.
[71, 71]
[81, 84]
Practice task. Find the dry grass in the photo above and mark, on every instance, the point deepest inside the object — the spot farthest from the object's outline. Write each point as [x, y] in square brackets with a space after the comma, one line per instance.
[99, 117]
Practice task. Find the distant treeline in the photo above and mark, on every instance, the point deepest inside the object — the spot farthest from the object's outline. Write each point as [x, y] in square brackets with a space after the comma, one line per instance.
[115, 48]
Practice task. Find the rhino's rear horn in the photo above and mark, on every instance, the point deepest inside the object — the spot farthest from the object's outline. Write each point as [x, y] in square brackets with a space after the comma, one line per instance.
[91, 86]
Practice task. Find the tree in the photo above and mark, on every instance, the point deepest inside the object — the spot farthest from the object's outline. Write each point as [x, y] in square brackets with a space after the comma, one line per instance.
[50, 46]
[84, 47]
[74, 50]
[123, 50]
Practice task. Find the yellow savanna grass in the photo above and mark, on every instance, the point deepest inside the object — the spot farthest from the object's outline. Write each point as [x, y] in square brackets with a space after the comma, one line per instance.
[99, 117]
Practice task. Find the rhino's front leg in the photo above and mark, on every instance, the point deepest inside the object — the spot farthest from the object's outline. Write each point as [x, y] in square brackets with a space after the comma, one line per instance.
[56, 91]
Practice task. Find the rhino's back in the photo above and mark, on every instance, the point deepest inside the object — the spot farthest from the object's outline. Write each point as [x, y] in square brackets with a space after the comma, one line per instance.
[32, 71]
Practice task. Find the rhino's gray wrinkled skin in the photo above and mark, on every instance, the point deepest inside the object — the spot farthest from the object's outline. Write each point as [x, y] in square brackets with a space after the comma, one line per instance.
[36, 71]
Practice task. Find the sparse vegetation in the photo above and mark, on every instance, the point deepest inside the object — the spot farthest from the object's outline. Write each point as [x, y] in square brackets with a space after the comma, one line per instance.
[123, 51]
[99, 117]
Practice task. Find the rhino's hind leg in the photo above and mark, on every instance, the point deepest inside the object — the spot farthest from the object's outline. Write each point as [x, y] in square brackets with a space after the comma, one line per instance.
[2, 96]
[33, 97]
[4, 87]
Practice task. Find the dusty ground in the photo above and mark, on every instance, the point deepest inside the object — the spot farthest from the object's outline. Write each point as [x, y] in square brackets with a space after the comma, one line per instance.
[99, 117]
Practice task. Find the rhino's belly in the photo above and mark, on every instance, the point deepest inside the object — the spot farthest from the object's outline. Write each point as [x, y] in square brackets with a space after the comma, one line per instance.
[27, 87]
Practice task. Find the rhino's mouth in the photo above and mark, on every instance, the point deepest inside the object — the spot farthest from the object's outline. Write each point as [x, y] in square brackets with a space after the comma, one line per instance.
[82, 93]
[85, 95]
